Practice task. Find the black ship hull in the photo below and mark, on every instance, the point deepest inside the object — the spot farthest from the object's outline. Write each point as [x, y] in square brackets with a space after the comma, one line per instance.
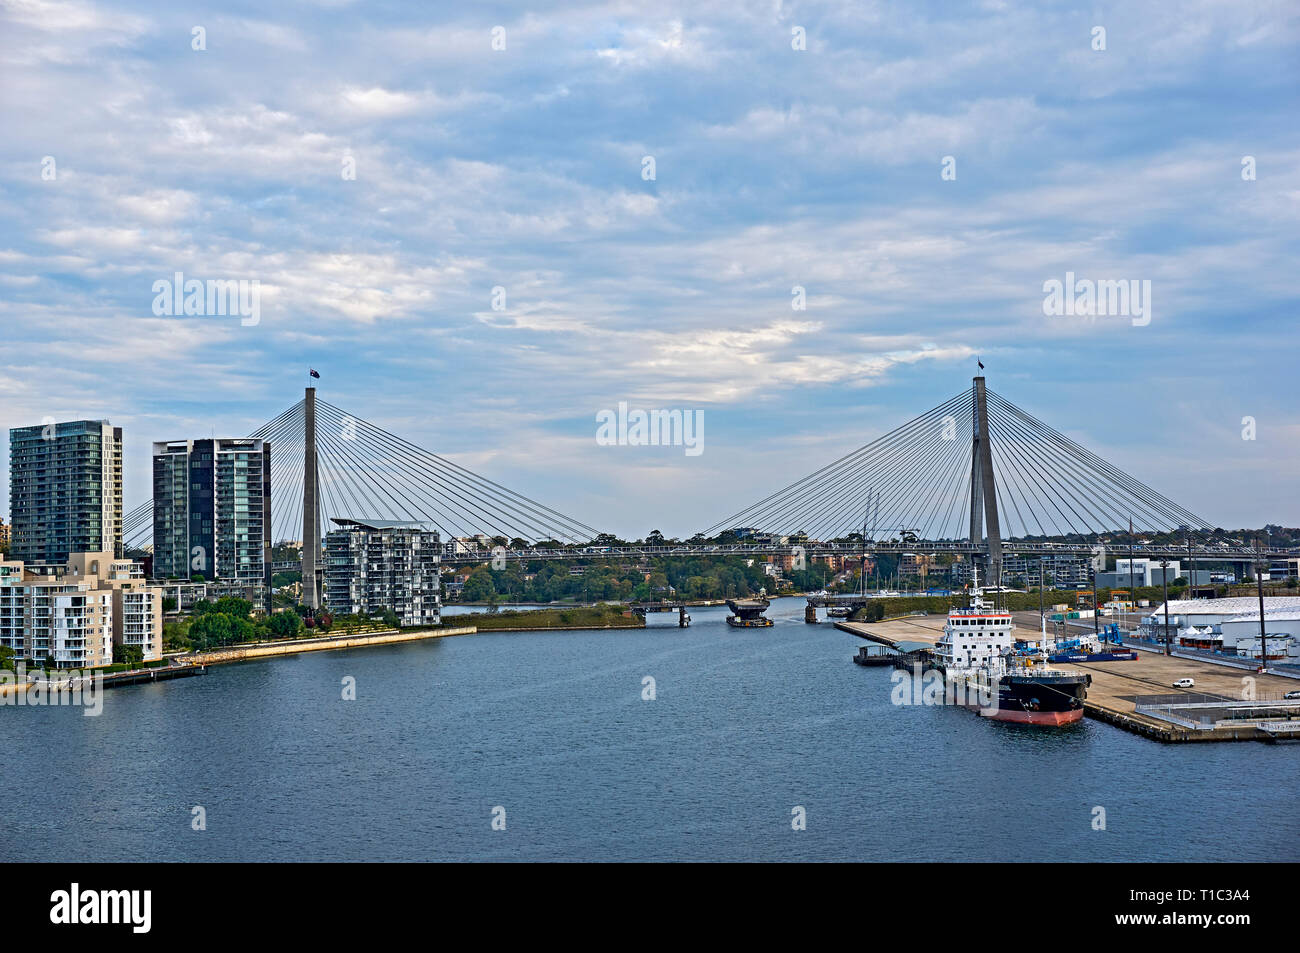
[1026, 699]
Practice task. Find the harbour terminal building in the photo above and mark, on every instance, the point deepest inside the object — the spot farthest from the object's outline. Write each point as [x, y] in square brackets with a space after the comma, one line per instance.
[72, 615]
[1230, 625]
[212, 514]
[374, 565]
[65, 490]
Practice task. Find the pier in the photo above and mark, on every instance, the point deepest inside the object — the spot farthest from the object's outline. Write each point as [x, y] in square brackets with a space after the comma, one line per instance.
[161, 674]
[1138, 695]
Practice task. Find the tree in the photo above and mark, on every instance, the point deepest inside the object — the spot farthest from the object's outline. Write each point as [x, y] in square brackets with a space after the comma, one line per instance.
[284, 625]
[874, 611]
[237, 608]
[128, 654]
[211, 628]
[479, 587]
[228, 605]
[242, 630]
[175, 636]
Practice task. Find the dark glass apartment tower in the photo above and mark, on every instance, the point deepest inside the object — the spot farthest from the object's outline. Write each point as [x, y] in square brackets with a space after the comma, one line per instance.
[212, 511]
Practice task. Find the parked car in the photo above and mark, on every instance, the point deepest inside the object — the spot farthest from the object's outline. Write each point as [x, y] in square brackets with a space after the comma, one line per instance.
[1292, 695]
[1185, 683]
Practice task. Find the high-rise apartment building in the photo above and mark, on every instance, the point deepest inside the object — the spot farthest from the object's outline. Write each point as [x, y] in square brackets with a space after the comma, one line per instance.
[373, 565]
[212, 512]
[65, 490]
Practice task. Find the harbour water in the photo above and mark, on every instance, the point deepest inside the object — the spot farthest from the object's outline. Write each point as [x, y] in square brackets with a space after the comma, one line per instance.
[745, 727]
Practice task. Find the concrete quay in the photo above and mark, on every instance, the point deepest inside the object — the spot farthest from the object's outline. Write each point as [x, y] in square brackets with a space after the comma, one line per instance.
[1118, 687]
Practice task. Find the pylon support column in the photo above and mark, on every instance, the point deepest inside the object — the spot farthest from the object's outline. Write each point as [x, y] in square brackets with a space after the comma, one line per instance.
[310, 506]
[984, 520]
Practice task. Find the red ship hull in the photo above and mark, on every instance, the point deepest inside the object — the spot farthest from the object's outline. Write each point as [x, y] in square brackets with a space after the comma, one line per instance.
[1037, 717]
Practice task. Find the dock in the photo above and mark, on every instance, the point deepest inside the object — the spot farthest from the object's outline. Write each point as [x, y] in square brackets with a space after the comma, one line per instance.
[161, 674]
[1138, 695]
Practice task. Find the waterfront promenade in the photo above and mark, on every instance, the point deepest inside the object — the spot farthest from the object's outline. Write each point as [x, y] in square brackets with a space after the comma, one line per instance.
[243, 653]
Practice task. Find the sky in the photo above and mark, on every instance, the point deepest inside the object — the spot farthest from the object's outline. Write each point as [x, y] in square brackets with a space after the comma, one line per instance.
[638, 189]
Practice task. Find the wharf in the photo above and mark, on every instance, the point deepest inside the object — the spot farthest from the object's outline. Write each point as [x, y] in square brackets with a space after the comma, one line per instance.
[137, 676]
[1119, 688]
[161, 674]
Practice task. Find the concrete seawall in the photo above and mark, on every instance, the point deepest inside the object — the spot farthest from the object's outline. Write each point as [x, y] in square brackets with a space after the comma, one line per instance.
[242, 654]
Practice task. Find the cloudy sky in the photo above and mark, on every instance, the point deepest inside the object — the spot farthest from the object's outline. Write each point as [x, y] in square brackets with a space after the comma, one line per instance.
[128, 155]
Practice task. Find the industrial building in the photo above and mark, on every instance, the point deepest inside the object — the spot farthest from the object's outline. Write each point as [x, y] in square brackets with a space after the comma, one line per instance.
[1230, 625]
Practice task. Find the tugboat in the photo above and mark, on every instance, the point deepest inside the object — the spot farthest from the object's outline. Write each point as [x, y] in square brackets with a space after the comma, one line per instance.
[748, 614]
[982, 672]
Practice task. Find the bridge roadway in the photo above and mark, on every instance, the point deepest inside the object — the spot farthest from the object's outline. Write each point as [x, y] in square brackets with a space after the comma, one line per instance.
[1212, 553]
[1009, 547]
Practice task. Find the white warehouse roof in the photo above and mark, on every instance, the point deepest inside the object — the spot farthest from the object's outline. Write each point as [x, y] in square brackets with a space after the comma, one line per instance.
[1234, 606]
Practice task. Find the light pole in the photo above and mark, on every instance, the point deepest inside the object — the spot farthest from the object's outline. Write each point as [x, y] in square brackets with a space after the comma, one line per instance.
[1096, 601]
[1042, 619]
[1164, 581]
[1132, 587]
[1263, 629]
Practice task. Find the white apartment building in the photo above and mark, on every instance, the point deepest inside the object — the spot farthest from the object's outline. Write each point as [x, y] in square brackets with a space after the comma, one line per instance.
[374, 565]
[73, 615]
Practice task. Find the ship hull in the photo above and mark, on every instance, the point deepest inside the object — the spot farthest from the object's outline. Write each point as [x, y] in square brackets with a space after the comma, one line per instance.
[1028, 699]
[1036, 717]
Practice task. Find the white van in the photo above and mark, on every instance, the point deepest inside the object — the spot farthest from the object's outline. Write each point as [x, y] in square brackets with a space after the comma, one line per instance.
[1184, 683]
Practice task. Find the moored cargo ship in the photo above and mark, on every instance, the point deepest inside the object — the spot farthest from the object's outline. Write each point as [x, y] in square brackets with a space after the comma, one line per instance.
[983, 673]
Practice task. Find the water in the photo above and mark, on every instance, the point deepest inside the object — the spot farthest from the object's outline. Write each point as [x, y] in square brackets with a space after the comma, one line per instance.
[747, 725]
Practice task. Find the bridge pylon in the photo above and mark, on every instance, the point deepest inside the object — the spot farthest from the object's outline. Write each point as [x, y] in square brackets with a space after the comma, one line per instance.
[984, 521]
[310, 505]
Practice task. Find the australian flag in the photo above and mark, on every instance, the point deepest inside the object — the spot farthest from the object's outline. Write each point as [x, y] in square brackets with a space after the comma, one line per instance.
[312, 372]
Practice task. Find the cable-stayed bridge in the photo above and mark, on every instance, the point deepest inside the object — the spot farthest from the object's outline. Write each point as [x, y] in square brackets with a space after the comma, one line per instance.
[974, 475]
